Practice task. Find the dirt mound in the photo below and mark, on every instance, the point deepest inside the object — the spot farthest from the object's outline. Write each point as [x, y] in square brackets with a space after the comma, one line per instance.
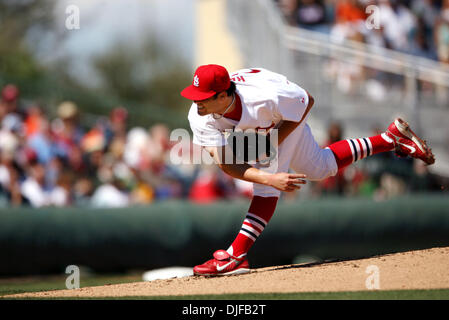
[423, 269]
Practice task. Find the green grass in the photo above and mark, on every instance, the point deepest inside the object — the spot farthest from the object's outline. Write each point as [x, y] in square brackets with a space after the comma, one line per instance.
[355, 295]
[46, 283]
[34, 284]
[442, 294]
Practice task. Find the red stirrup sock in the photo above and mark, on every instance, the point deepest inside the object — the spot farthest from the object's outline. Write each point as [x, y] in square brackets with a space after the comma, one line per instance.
[259, 214]
[349, 151]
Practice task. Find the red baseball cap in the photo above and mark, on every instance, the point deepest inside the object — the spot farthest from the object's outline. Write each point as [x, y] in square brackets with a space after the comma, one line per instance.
[207, 81]
[10, 93]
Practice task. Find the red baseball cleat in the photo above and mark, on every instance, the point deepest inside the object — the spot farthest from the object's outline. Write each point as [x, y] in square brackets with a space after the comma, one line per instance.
[407, 143]
[223, 264]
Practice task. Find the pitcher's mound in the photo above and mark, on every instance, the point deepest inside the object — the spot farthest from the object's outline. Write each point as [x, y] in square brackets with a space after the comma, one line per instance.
[422, 269]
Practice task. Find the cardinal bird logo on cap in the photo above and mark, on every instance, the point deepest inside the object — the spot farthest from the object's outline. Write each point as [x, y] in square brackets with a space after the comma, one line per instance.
[196, 81]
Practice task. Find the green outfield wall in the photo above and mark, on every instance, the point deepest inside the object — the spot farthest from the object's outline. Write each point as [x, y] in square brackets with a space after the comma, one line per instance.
[178, 233]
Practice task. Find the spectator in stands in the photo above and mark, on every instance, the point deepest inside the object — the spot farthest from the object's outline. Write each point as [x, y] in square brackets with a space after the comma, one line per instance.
[93, 149]
[94, 139]
[35, 119]
[9, 178]
[349, 11]
[165, 177]
[142, 192]
[76, 161]
[33, 188]
[422, 180]
[66, 128]
[390, 186]
[11, 145]
[398, 24]
[336, 184]
[82, 191]
[135, 149]
[288, 9]
[310, 14]
[10, 102]
[42, 143]
[422, 46]
[96, 167]
[427, 10]
[441, 35]
[206, 188]
[110, 194]
[349, 20]
[160, 145]
[167, 188]
[10, 131]
[116, 125]
[349, 25]
[60, 195]
[112, 188]
[53, 171]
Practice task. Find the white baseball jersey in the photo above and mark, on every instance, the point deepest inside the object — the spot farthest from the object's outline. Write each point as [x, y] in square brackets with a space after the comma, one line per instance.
[266, 98]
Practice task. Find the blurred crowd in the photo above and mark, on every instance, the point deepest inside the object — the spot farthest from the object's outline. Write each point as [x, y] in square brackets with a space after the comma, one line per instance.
[53, 160]
[418, 27]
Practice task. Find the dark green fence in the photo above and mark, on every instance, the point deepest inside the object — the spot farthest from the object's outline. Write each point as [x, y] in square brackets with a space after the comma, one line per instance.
[182, 234]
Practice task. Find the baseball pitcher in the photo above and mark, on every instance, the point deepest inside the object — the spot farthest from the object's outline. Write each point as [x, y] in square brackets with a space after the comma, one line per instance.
[257, 99]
